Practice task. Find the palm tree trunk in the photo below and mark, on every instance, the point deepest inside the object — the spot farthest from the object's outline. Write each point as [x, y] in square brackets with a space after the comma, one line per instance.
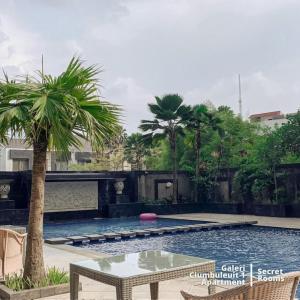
[139, 163]
[275, 184]
[174, 152]
[34, 262]
[197, 169]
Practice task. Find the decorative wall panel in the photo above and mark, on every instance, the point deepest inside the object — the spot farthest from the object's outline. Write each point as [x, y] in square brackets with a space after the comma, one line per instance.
[71, 195]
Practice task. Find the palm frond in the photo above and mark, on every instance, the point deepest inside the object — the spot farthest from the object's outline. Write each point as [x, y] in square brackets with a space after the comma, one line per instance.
[66, 107]
[171, 102]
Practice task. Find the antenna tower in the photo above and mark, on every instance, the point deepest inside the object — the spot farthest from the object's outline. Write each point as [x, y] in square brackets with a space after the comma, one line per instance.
[240, 98]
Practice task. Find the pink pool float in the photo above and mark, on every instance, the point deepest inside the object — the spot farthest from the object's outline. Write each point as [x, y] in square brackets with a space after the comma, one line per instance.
[148, 217]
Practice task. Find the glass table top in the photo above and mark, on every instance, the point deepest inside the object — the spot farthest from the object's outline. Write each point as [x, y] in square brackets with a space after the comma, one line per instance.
[134, 264]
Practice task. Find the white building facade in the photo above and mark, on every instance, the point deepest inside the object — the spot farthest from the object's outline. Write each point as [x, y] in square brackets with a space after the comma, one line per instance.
[269, 119]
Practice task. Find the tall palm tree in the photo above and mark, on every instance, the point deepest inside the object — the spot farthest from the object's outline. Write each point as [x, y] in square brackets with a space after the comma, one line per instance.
[169, 113]
[53, 113]
[198, 118]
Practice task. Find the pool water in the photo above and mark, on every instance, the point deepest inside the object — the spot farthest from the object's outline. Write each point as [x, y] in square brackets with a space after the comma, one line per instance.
[267, 248]
[68, 228]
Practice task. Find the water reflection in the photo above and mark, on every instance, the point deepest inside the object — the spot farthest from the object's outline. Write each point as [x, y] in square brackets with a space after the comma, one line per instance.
[154, 260]
[160, 260]
[105, 264]
[139, 263]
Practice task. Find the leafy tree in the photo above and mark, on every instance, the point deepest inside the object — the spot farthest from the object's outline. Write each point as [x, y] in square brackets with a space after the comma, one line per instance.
[56, 113]
[225, 144]
[111, 156]
[258, 171]
[290, 133]
[272, 152]
[199, 118]
[159, 156]
[136, 149]
[169, 113]
[225, 109]
[236, 140]
[226, 141]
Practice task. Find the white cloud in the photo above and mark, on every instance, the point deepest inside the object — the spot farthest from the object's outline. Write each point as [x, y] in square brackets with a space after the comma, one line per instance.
[132, 98]
[74, 47]
[16, 46]
[191, 47]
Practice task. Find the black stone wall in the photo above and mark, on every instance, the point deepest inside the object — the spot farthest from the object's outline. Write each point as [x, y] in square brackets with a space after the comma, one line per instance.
[107, 207]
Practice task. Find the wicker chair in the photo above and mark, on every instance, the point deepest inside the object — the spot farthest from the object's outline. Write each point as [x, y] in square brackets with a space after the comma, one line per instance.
[11, 252]
[261, 290]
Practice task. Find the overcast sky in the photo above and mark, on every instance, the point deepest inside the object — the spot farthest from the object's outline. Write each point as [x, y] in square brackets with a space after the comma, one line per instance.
[152, 47]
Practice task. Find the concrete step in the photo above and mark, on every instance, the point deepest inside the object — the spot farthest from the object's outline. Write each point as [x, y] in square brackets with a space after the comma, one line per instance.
[77, 239]
[111, 235]
[127, 234]
[182, 228]
[155, 231]
[195, 227]
[142, 233]
[95, 237]
[169, 229]
[57, 241]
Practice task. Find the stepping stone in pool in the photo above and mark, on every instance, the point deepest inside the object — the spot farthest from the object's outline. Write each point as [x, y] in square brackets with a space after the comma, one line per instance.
[231, 225]
[95, 237]
[155, 231]
[209, 226]
[226, 225]
[195, 227]
[174, 229]
[142, 233]
[169, 229]
[57, 241]
[112, 235]
[182, 228]
[217, 225]
[127, 234]
[76, 239]
[250, 223]
[239, 224]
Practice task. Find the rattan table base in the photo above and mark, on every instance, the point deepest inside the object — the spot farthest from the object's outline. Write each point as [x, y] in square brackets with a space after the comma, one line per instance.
[124, 285]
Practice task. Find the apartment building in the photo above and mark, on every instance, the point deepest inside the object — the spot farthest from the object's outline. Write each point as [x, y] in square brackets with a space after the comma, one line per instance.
[269, 119]
[18, 156]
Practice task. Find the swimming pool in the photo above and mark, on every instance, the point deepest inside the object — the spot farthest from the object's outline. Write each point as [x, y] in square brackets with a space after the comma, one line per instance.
[267, 248]
[81, 227]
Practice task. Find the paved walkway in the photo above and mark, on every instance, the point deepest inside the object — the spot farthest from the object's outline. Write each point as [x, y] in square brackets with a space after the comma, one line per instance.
[293, 223]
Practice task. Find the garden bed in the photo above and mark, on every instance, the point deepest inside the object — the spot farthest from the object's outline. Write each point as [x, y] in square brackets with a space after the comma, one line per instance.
[16, 287]
[36, 293]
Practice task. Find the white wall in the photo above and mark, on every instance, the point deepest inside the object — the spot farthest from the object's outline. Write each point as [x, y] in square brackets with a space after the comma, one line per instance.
[3, 159]
[273, 123]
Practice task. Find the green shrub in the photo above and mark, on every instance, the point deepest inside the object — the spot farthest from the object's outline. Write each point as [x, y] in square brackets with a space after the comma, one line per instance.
[54, 276]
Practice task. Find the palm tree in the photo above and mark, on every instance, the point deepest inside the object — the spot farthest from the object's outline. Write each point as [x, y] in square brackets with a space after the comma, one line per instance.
[136, 150]
[53, 113]
[199, 117]
[168, 121]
